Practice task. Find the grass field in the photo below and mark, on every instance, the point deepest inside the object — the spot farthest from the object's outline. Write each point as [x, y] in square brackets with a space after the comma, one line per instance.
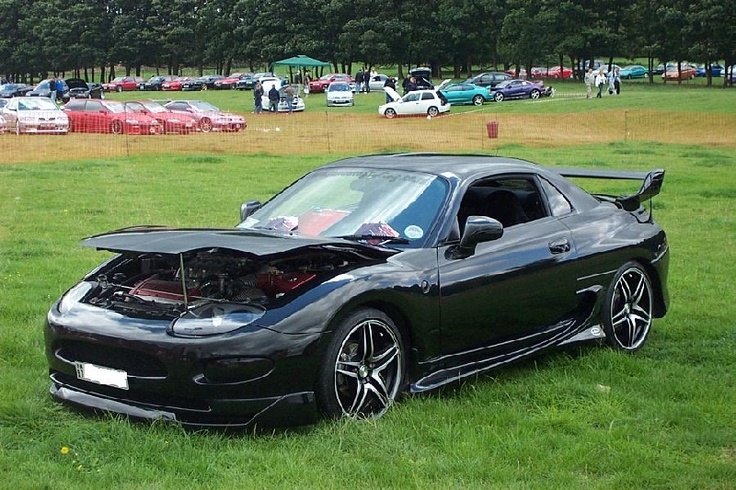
[586, 418]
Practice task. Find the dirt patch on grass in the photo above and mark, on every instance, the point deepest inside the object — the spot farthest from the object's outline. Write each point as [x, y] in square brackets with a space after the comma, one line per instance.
[332, 132]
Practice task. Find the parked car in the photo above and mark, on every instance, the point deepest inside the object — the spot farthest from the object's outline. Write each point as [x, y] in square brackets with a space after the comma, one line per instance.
[340, 94]
[297, 103]
[175, 85]
[230, 82]
[489, 79]
[44, 88]
[8, 90]
[208, 117]
[3, 124]
[428, 103]
[171, 122]
[521, 89]
[108, 116]
[34, 115]
[209, 81]
[686, 71]
[122, 84]
[377, 81]
[466, 93]
[247, 82]
[156, 82]
[81, 89]
[559, 72]
[716, 70]
[192, 84]
[633, 71]
[321, 84]
[366, 279]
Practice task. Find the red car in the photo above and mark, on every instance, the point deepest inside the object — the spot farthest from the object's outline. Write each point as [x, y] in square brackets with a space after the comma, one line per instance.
[321, 84]
[208, 117]
[120, 84]
[229, 82]
[170, 122]
[108, 116]
[687, 72]
[559, 72]
[174, 84]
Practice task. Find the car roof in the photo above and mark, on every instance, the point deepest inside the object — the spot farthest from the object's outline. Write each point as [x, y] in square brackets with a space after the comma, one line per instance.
[447, 165]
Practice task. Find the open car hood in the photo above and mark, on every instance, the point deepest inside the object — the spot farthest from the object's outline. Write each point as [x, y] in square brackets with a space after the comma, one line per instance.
[76, 83]
[392, 93]
[254, 242]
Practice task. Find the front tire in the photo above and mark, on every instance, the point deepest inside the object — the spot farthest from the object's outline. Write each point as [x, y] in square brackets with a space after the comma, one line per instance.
[116, 127]
[390, 113]
[205, 124]
[627, 309]
[362, 372]
[534, 94]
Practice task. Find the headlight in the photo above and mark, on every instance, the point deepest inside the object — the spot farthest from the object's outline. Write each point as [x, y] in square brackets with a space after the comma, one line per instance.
[213, 319]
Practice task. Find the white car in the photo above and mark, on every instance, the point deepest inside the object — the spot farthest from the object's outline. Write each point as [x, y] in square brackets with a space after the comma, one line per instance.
[267, 83]
[34, 115]
[416, 103]
[3, 125]
[340, 94]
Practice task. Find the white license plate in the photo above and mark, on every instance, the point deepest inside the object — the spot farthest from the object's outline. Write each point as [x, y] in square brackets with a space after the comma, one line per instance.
[102, 375]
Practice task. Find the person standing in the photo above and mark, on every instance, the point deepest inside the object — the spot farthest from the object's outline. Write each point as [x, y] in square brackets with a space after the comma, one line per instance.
[611, 82]
[589, 81]
[273, 99]
[617, 82]
[289, 95]
[258, 97]
[359, 80]
[600, 81]
[391, 83]
[59, 87]
[366, 81]
[52, 89]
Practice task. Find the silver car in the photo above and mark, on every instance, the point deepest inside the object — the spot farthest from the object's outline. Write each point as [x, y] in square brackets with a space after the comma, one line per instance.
[34, 115]
[340, 94]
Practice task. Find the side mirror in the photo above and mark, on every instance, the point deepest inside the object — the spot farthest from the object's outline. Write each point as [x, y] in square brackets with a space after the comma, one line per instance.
[248, 208]
[478, 229]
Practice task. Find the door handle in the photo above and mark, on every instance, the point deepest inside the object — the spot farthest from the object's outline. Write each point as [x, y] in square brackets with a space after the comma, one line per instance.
[559, 246]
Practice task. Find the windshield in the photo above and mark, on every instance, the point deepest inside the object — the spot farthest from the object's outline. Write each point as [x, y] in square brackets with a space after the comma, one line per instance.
[355, 203]
[202, 106]
[339, 87]
[37, 104]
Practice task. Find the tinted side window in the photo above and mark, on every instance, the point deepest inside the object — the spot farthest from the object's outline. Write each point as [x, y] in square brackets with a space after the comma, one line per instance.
[93, 106]
[558, 204]
[511, 200]
[427, 96]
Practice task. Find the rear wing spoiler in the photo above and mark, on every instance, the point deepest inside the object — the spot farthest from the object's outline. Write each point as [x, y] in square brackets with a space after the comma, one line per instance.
[650, 187]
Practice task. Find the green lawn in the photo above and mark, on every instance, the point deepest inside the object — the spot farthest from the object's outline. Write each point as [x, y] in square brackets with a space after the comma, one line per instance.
[586, 418]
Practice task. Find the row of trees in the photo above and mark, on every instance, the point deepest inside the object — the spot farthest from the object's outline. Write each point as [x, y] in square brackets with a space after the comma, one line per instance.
[89, 38]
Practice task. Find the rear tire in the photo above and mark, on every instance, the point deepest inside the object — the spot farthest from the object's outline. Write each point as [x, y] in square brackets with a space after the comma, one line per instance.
[498, 97]
[433, 111]
[627, 308]
[478, 100]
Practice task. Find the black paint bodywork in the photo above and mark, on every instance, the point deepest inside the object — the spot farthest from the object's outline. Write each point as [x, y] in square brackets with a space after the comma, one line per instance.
[540, 285]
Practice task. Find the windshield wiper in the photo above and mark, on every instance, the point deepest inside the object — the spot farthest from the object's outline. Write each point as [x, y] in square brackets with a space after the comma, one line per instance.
[376, 238]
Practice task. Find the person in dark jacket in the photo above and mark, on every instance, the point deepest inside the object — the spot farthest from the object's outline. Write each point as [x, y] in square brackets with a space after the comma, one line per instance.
[273, 98]
[391, 83]
[258, 98]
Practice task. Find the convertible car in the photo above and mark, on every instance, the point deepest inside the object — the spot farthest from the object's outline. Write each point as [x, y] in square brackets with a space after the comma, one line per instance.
[366, 279]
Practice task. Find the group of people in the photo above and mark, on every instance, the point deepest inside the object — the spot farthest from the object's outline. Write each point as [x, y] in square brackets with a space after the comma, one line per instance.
[56, 89]
[600, 80]
[274, 97]
[363, 80]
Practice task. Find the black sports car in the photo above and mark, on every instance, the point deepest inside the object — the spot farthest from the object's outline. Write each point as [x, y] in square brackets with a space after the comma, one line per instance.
[81, 89]
[365, 279]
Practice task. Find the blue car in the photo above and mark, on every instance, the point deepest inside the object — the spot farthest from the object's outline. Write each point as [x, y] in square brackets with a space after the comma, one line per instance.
[633, 71]
[467, 93]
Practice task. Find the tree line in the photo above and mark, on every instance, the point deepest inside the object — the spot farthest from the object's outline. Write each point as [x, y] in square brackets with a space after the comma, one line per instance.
[90, 38]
